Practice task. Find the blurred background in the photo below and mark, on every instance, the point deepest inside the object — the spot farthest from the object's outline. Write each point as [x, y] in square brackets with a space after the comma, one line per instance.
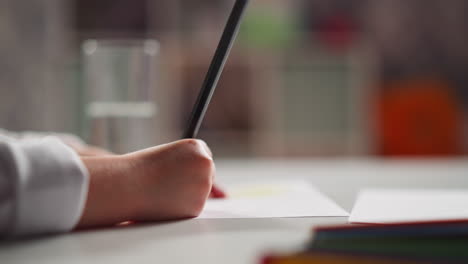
[320, 78]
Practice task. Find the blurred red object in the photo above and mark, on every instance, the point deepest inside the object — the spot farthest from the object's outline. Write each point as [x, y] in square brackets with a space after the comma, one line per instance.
[419, 118]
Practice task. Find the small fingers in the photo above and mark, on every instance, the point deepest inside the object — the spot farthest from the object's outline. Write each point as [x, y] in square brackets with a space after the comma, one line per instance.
[205, 146]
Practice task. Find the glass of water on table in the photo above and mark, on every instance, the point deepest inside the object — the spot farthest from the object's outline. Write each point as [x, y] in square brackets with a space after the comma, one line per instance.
[119, 79]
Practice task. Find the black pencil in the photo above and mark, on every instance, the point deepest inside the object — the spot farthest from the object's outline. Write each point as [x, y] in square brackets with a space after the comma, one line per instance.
[216, 68]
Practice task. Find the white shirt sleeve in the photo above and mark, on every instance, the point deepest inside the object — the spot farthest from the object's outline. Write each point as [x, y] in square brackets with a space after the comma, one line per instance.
[43, 186]
[68, 139]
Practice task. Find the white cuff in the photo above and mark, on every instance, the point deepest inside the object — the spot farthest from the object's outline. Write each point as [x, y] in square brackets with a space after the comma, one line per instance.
[50, 189]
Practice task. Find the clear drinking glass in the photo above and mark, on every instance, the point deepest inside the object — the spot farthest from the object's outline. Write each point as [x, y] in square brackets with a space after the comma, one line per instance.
[119, 81]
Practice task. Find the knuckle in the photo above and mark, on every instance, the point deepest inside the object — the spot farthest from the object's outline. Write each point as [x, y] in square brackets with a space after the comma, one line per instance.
[197, 161]
[194, 147]
[194, 143]
[194, 150]
[204, 163]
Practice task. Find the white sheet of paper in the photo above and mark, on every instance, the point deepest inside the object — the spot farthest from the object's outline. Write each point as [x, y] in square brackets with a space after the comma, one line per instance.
[272, 200]
[380, 206]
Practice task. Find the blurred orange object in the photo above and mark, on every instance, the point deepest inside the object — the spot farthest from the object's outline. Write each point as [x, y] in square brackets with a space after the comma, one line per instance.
[419, 118]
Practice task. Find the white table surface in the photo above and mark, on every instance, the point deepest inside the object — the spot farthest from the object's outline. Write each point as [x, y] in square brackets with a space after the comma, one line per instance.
[238, 240]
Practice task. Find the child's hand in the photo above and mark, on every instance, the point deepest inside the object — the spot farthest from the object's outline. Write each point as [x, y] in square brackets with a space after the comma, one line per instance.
[167, 182]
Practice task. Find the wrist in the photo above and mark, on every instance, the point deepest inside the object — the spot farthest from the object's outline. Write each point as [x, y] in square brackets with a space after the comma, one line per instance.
[110, 199]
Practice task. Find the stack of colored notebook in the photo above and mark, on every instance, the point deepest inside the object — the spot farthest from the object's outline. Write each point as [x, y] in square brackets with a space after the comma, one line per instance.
[426, 242]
